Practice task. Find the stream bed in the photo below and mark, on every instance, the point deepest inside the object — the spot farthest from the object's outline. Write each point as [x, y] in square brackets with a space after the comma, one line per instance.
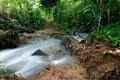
[22, 61]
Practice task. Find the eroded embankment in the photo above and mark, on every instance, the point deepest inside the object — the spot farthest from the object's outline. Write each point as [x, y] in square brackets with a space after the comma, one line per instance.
[93, 55]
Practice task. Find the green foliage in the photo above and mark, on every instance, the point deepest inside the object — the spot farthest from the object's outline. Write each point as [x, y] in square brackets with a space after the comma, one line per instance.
[109, 33]
[23, 12]
[33, 19]
[101, 12]
[104, 53]
[68, 14]
[1, 24]
[30, 17]
[71, 15]
[3, 69]
[114, 10]
[7, 32]
[83, 15]
[14, 21]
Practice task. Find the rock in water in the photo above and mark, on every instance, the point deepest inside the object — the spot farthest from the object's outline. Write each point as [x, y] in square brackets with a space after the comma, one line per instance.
[9, 39]
[58, 36]
[39, 53]
[67, 40]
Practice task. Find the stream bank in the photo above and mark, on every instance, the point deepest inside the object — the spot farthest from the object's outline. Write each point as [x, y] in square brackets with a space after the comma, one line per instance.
[62, 61]
[98, 64]
[95, 57]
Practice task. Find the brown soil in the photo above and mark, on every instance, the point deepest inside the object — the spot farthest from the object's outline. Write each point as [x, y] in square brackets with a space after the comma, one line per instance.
[76, 72]
[49, 28]
[14, 77]
[93, 56]
[99, 64]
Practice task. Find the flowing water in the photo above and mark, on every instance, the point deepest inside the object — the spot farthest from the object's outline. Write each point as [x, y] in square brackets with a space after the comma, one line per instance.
[20, 61]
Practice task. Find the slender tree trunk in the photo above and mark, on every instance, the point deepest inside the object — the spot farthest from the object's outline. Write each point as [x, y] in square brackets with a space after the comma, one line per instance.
[108, 15]
[99, 20]
[101, 13]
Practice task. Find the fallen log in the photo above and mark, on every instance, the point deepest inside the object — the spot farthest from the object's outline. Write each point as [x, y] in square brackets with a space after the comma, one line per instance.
[19, 28]
[6, 24]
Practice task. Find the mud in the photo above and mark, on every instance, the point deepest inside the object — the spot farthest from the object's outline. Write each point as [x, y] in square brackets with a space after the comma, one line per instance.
[94, 57]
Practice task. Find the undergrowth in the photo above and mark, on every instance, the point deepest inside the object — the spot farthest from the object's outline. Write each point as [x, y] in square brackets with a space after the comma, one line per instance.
[68, 15]
[109, 33]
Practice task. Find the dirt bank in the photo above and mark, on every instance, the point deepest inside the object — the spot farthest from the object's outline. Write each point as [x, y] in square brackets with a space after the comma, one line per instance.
[100, 65]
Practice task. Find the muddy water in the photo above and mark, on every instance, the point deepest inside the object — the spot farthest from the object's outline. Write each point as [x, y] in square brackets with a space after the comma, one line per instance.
[20, 61]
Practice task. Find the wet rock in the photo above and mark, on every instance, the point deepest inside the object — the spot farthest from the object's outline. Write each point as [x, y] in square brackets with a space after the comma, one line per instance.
[5, 72]
[39, 53]
[67, 40]
[115, 52]
[58, 36]
[9, 39]
[13, 77]
[80, 37]
[41, 36]
[25, 40]
[25, 34]
[1, 30]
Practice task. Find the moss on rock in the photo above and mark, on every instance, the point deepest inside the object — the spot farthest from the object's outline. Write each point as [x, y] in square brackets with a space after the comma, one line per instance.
[8, 39]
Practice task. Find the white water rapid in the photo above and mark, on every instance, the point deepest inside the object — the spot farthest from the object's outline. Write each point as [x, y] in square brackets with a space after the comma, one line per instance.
[20, 61]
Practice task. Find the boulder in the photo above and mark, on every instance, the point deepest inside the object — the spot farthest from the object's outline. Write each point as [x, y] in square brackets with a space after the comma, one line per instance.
[67, 40]
[9, 39]
[39, 53]
[58, 36]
